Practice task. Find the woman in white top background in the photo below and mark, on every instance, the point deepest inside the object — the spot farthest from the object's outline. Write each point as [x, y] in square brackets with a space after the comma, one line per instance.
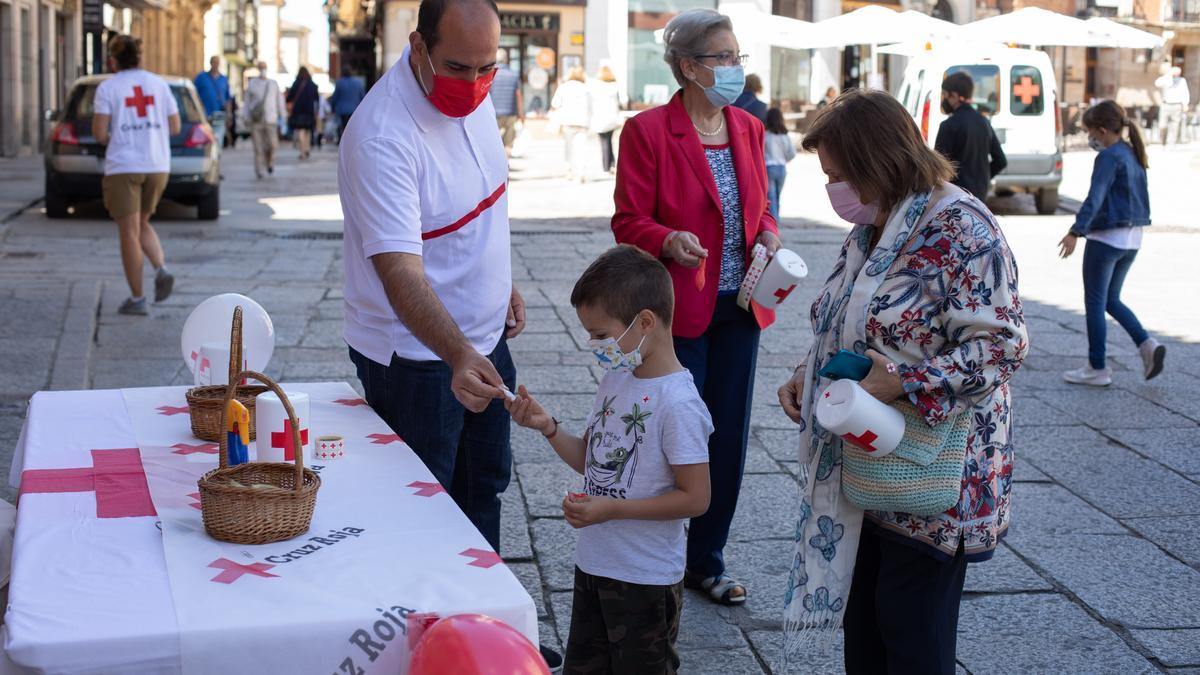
[606, 114]
[778, 151]
[571, 108]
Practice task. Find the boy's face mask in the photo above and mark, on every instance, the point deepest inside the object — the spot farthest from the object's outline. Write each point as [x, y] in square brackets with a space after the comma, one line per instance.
[610, 356]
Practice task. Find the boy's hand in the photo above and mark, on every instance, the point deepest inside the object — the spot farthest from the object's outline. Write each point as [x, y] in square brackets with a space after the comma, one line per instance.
[527, 412]
[587, 510]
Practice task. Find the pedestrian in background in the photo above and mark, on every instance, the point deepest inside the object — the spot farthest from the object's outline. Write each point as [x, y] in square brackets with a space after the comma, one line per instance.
[1176, 97]
[213, 88]
[571, 108]
[692, 192]
[135, 116]
[949, 344]
[348, 92]
[830, 96]
[748, 100]
[302, 110]
[606, 114]
[967, 139]
[1112, 218]
[263, 115]
[506, 99]
[778, 152]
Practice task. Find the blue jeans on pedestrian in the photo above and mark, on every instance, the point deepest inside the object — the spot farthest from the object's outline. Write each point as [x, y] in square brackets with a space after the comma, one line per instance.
[1104, 270]
[775, 177]
[469, 453]
[722, 363]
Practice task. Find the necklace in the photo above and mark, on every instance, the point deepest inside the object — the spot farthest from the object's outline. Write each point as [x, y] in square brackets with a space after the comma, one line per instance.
[720, 128]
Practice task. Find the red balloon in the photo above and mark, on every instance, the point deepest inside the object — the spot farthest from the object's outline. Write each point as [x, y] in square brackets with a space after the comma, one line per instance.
[474, 644]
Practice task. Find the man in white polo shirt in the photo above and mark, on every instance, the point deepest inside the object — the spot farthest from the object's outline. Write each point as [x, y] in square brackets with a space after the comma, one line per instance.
[429, 296]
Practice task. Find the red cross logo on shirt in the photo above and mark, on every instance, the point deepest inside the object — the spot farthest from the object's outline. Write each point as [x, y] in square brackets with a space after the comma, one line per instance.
[139, 101]
[116, 476]
[1027, 90]
[231, 571]
[864, 441]
[285, 440]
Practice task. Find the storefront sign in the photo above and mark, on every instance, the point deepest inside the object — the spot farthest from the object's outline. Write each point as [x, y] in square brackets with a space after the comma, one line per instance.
[545, 58]
[528, 21]
[93, 16]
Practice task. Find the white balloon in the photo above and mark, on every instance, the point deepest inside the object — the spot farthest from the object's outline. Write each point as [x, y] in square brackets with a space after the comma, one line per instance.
[212, 320]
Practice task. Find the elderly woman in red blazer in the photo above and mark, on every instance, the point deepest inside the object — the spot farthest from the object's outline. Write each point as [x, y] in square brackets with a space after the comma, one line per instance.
[692, 190]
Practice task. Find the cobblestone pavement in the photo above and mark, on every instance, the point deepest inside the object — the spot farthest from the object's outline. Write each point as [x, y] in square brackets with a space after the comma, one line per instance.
[1100, 572]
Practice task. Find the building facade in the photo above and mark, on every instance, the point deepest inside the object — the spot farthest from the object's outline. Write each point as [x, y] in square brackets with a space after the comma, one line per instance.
[39, 58]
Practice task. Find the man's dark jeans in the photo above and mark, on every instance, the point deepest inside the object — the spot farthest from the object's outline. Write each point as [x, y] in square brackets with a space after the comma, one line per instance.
[469, 453]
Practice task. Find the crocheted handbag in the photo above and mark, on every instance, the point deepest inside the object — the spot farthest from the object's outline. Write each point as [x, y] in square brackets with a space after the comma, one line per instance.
[922, 476]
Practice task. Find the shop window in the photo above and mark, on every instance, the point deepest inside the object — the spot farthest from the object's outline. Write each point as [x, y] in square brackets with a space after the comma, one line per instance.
[987, 86]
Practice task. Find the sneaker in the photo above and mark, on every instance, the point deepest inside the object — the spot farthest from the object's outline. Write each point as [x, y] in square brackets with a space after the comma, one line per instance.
[134, 307]
[1089, 376]
[271, 169]
[1153, 355]
[164, 281]
[554, 661]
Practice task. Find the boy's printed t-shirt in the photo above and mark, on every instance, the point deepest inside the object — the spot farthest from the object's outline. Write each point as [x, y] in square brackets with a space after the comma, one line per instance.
[139, 103]
[638, 429]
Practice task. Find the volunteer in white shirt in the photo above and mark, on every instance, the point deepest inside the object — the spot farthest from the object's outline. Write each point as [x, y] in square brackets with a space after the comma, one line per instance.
[135, 116]
[429, 295]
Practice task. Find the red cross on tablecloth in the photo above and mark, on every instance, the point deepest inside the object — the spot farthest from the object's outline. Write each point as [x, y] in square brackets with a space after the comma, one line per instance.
[191, 449]
[195, 504]
[1027, 91]
[482, 558]
[350, 402]
[172, 410]
[426, 489]
[140, 101]
[285, 440]
[232, 571]
[782, 293]
[864, 441]
[116, 476]
[384, 439]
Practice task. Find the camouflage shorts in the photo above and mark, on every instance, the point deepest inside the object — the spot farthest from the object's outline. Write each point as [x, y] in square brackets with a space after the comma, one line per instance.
[619, 627]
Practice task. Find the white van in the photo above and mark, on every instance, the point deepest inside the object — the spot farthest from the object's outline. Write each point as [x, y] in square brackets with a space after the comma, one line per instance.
[1017, 90]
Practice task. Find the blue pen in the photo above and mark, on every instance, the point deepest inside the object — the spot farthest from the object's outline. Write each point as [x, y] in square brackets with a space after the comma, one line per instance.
[238, 433]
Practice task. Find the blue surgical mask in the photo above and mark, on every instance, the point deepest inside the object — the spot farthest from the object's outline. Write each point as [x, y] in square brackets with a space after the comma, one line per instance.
[728, 83]
[610, 356]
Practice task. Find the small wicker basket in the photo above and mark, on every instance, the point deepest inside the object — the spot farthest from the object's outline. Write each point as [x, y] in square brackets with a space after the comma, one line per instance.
[207, 404]
[258, 502]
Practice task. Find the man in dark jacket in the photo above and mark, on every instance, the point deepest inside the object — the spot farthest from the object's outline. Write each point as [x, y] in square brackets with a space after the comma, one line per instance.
[749, 102]
[967, 139]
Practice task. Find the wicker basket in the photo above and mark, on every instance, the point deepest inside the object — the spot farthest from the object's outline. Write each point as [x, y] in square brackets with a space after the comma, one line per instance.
[207, 404]
[258, 502]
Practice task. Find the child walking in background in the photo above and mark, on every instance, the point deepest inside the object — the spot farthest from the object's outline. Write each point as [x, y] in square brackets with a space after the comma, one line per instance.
[644, 459]
[1112, 217]
[778, 152]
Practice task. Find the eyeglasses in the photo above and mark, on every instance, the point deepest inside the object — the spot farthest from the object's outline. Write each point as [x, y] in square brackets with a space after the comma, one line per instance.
[726, 58]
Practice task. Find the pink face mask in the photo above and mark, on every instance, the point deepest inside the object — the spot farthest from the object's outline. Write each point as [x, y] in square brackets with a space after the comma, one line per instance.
[848, 205]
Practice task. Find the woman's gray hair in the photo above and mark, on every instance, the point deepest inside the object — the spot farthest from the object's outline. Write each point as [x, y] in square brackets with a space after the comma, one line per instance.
[687, 35]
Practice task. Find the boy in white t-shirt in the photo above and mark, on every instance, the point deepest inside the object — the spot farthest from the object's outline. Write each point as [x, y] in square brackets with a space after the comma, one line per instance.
[135, 116]
[644, 459]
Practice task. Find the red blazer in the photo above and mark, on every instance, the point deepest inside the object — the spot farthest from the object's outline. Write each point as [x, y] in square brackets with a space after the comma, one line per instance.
[664, 184]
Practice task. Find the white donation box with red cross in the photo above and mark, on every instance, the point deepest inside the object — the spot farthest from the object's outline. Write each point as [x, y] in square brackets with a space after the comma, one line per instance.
[274, 438]
[847, 410]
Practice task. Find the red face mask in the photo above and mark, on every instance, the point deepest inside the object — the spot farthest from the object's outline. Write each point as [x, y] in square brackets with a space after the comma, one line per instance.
[454, 97]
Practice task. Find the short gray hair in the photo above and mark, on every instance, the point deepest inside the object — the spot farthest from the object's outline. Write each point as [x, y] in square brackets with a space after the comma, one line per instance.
[687, 35]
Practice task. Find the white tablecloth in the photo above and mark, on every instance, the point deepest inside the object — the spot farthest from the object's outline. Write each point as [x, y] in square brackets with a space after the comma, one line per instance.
[91, 591]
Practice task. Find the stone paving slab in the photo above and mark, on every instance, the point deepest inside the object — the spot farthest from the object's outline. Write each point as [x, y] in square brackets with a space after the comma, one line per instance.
[1004, 573]
[1171, 647]
[1039, 633]
[1107, 573]
[1177, 449]
[1177, 535]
